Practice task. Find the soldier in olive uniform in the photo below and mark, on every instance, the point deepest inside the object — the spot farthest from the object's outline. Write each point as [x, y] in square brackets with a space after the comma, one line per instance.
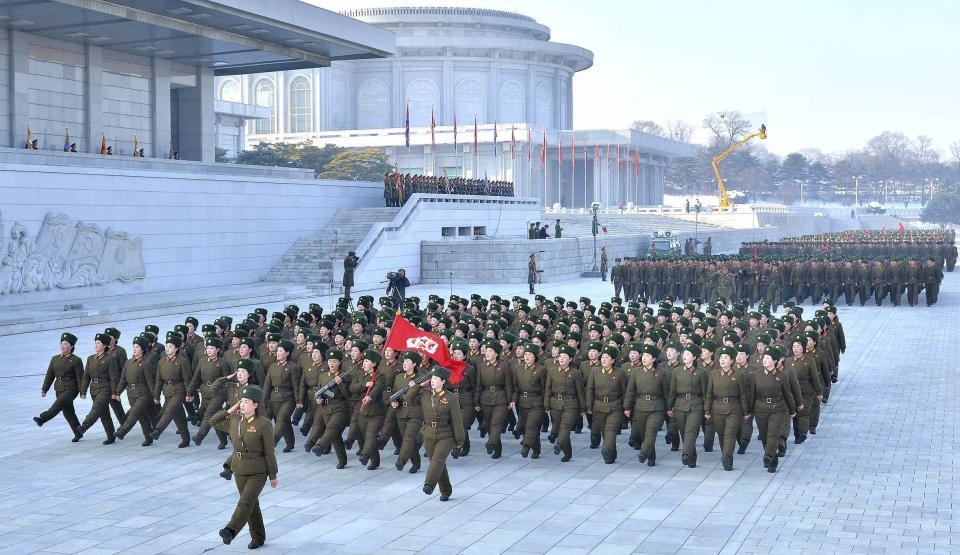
[771, 403]
[464, 392]
[811, 387]
[279, 387]
[442, 431]
[565, 398]
[65, 372]
[102, 376]
[496, 393]
[369, 385]
[213, 397]
[727, 403]
[406, 411]
[644, 402]
[173, 375]
[529, 383]
[253, 462]
[137, 378]
[688, 385]
[604, 392]
[118, 352]
[332, 411]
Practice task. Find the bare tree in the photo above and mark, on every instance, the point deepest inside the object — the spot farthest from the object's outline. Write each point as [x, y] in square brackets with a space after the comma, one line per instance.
[649, 127]
[679, 130]
[955, 152]
[727, 127]
[924, 151]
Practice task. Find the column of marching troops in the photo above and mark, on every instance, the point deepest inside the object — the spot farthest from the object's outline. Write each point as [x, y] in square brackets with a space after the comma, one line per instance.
[853, 266]
[397, 188]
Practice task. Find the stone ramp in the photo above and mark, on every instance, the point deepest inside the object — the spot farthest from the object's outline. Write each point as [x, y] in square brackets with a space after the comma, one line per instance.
[310, 260]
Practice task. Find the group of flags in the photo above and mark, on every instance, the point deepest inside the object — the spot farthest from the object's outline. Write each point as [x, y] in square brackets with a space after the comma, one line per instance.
[69, 146]
[622, 155]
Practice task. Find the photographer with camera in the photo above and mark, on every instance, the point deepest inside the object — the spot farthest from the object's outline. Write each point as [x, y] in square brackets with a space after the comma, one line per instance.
[397, 284]
[349, 264]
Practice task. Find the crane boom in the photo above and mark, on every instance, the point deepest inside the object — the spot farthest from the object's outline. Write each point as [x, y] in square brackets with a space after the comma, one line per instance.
[724, 199]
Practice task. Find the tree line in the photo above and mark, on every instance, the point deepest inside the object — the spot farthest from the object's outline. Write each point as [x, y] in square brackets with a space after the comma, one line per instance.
[327, 162]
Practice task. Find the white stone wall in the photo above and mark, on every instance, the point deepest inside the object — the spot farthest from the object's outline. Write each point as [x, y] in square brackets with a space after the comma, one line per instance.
[4, 89]
[199, 228]
[126, 102]
[399, 246]
[56, 92]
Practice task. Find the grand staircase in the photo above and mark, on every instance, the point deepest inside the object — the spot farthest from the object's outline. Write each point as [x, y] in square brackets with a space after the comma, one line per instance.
[310, 260]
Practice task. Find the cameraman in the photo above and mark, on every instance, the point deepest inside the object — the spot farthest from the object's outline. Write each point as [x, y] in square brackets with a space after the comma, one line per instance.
[349, 264]
[397, 287]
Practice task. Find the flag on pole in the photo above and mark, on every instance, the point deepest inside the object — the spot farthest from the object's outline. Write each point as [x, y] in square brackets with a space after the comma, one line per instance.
[103, 143]
[529, 144]
[433, 128]
[454, 128]
[543, 149]
[406, 132]
[618, 163]
[513, 143]
[596, 153]
[29, 143]
[900, 228]
[636, 163]
[66, 140]
[474, 134]
[405, 337]
[494, 138]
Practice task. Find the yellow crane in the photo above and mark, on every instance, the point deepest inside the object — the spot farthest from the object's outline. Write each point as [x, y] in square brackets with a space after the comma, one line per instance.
[724, 199]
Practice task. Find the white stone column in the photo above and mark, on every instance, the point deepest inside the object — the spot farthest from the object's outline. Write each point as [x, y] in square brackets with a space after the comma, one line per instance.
[160, 108]
[19, 91]
[318, 83]
[531, 95]
[493, 88]
[93, 97]
[280, 81]
[447, 98]
[557, 120]
[397, 107]
[197, 126]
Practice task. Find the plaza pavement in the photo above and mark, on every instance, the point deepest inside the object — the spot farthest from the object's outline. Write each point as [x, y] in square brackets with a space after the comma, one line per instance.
[879, 477]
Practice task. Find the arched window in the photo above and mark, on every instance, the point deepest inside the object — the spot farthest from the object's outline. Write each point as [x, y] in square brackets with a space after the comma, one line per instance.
[300, 111]
[263, 95]
[230, 90]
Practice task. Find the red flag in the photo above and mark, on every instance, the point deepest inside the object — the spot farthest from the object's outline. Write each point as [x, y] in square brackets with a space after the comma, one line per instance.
[596, 153]
[404, 336]
[474, 134]
[636, 163]
[900, 228]
[454, 129]
[543, 149]
[433, 128]
[103, 143]
[883, 231]
[513, 144]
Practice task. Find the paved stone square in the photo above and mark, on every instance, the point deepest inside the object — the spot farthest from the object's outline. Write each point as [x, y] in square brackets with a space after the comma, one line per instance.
[880, 476]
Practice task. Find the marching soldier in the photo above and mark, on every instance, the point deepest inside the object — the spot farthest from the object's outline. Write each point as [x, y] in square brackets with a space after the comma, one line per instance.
[772, 402]
[688, 385]
[565, 398]
[407, 412]
[332, 411]
[137, 377]
[496, 393]
[65, 372]
[604, 392]
[529, 385]
[442, 431]
[370, 413]
[173, 375]
[727, 403]
[101, 376]
[644, 402]
[279, 387]
[211, 368]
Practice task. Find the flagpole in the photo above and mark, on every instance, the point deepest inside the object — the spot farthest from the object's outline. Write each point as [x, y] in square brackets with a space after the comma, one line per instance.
[584, 177]
[529, 163]
[559, 168]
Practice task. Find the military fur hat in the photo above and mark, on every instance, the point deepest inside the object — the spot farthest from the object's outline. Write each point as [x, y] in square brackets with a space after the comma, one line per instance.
[68, 337]
[286, 345]
[213, 342]
[251, 392]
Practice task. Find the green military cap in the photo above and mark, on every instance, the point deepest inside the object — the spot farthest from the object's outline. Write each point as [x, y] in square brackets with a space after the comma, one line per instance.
[440, 372]
[414, 356]
[142, 341]
[693, 349]
[68, 337]
[286, 345]
[635, 346]
[764, 338]
[291, 311]
[675, 345]
[208, 328]
[247, 364]
[274, 327]
[334, 353]
[493, 345]
[616, 300]
[261, 311]
[813, 335]
[174, 338]
[251, 392]
[249, 342]
[729, 351]
[382, 332]
[754, 315]
[226, 320]
[241, 333]
[359, 343]
[509, 337]
[151, 337]
[709, 345]
[181, 329]
[742, 325]
[274, 337]
[575, 335]
[459, 345]
[651, 350]
[697, 340]
[213, 342]
[425, 326]
[192, 320]
[775, 352]
[778, 325]
[594, 346]
[529, 347]
[155, 330]
[476, 335]
[612, 352]
[373, 356]
[618, 339]
[568, 350]
[113, 332]
[742, 348]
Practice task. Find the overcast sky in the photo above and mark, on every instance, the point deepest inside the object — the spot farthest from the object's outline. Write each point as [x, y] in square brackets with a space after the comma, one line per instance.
[821, 74]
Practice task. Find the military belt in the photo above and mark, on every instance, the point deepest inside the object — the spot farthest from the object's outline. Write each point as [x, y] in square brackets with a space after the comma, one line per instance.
[131, 386]
[726, 399]
[559, 397]
[528, 394]
[247, 456]
[690, 396]
[460, 390]
[771, 400]
[496, 388]
[96, 380]
[649, 397]
[405, 404]
[173, 382]
[608, 399]
[279, 389]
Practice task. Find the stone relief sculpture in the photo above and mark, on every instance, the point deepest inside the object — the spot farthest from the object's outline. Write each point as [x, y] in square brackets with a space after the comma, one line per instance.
[65, 255]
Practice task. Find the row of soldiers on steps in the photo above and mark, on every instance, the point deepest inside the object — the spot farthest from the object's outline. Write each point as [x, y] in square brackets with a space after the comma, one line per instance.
[777, 279]
[916, 244]
[554, 367]
[397, 188]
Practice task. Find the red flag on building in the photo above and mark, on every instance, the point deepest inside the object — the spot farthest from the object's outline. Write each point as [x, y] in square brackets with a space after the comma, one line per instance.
[756, 260]
[636, 163]
[474, 134]
[103, 143]
[596, 153]
[513, 143]
[404, 336]
[433, 130]
[406, 127]
[454, 129]
[900, 228]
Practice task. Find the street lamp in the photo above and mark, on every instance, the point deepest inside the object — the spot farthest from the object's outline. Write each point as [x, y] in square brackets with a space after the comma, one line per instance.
[856, 189]
[594, 229]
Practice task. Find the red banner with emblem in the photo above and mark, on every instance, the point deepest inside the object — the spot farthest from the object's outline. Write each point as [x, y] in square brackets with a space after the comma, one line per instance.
[404, 336]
